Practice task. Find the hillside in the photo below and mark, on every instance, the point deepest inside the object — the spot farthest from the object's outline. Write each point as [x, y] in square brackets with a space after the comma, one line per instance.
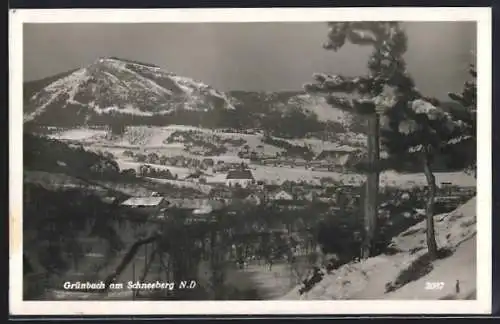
[45, 154]
[278, 112]
[31, 88]
[113, 90]
[55, 165]
[112, 85]
[404, 273]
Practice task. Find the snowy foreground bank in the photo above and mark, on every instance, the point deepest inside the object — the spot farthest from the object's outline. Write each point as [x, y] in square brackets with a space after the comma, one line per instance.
[405, 274]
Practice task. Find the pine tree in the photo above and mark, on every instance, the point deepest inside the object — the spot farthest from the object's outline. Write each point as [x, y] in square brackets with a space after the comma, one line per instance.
[416, 129]
[468, 99]
[413, 127]
[367, 95]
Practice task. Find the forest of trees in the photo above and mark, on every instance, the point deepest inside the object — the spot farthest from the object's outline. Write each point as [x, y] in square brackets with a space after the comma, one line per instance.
[44, 154]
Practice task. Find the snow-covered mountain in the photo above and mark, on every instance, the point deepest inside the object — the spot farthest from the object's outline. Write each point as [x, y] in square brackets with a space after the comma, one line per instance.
[133, 93]
[112, 85]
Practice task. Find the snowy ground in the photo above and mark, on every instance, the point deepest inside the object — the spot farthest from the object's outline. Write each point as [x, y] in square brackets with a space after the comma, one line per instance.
[369, 279]
[151, 139]
[408, 180]
[460, 266]
[184, 184]
[278, 175]
[79, 134]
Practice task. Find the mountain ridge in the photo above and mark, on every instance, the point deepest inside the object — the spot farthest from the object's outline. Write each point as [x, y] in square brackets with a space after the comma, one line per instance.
[116, 90]
[112, 85]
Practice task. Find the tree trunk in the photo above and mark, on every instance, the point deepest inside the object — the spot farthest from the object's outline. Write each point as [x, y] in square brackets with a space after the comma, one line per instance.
[127, 259]
[431, 183]
[371, 186]
[213, 265]
[147, 267]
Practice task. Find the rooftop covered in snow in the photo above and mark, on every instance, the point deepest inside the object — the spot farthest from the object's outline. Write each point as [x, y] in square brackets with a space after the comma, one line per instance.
[240, 174]
[143, 201]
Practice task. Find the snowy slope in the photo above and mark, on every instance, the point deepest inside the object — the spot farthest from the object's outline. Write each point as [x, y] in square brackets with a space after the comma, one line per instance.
[460, 266]
[368, 279]
[122, 86]
[324, 112]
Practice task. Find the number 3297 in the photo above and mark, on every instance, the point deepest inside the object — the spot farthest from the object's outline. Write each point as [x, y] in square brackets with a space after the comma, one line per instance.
[434, 285]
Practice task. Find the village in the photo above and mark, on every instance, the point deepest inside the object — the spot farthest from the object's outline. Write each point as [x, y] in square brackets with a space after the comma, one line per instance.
[238, 191]
[230, 182]
[267, 222]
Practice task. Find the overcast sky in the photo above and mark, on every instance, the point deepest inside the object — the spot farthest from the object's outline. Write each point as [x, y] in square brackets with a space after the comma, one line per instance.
[246, 56]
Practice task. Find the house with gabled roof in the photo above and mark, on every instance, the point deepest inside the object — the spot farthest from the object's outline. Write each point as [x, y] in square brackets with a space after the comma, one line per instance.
[151, 201]
[281, 195]
[148, 205]
[242, 178]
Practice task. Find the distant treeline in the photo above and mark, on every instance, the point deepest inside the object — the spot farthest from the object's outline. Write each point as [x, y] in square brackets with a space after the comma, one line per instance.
[293, 124]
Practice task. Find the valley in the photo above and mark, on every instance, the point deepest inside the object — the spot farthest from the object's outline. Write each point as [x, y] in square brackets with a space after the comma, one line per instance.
[156, 141]
[131, 171]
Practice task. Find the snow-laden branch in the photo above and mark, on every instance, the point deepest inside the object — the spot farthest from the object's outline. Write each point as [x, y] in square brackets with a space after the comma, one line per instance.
[421, 127]
[331, 83]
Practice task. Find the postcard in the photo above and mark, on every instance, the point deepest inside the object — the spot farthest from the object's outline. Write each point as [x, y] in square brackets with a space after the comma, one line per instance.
[250, 161]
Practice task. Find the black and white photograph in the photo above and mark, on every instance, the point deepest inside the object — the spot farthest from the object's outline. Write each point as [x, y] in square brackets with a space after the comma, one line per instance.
[252, 162]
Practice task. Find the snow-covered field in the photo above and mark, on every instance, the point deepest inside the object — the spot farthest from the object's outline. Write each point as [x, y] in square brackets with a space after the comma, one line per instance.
[79, 134]
[281, 174]
[151, 139]
[392, 178]
[184, 184]
[148, 138]
[317, 146]
[277, 175]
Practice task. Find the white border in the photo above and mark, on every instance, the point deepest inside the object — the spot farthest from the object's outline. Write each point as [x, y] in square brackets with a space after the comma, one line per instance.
[480, 306]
